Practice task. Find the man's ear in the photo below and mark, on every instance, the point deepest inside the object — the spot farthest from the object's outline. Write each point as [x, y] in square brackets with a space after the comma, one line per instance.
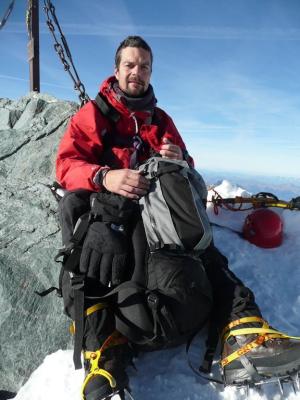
[117, 73]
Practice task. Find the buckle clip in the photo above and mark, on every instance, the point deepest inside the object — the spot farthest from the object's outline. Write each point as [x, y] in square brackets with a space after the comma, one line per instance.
[77, 282]
[153, 300]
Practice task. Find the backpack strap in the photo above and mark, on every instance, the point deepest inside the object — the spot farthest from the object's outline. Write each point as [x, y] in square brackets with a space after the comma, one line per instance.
[70, 263]
[77, 283]
[129, 300]
[141, 315]
[113, 116]
[106, 109]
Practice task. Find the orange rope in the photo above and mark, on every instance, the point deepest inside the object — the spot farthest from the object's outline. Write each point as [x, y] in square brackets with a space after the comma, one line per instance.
[218, 201]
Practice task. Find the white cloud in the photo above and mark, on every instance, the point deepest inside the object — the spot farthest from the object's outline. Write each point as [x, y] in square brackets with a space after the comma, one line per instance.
[94, 27]
[43, 83]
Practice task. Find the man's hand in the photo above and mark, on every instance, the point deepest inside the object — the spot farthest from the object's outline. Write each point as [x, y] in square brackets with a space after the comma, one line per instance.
[126, 182]
[170, 150]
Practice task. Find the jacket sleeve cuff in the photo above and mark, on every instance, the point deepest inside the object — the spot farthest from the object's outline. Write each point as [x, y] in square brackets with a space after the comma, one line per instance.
[99, 176]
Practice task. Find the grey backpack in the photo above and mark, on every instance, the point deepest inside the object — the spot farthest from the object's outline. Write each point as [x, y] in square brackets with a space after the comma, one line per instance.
[173, 211]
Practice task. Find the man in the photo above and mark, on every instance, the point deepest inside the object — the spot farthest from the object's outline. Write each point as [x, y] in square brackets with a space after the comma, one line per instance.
[98, 153]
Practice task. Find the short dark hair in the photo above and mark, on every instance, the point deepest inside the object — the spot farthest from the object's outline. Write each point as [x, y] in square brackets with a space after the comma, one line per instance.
[132, 41]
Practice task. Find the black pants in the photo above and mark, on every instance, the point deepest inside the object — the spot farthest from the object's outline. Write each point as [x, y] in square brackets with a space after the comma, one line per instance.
[232, 299]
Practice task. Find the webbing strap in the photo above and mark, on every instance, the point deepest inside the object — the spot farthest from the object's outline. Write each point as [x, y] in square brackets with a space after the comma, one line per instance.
[247, 364]
[241, 321]
[273, 332]
[229, 332]
[113, 115]
[264, 333]
[136, 292]
[153, 303]
[89, 311]
[211, 345]
[49, 290]
[138, 146]
[246, 331]
[107, 110]
[94, 308]
[74, 250]
[241, 351]
[79, 322]
[205, 368]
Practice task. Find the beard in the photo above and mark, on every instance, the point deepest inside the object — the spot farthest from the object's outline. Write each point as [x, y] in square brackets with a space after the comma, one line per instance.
[136, 88]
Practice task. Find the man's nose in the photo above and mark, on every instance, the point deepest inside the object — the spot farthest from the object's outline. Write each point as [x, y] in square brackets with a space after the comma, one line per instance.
[136, 70]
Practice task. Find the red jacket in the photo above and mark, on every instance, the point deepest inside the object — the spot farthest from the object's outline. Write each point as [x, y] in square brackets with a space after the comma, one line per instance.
[82, 151]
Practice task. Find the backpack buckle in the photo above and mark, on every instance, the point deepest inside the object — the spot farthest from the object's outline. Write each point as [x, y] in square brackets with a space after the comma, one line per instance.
[77, 282]
[153, 300]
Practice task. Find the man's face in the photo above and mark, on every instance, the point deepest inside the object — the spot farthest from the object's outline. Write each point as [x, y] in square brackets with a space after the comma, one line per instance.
[134, 71]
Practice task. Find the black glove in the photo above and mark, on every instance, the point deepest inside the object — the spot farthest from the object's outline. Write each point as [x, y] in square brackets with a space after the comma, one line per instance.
[104, 253]
[110, 207]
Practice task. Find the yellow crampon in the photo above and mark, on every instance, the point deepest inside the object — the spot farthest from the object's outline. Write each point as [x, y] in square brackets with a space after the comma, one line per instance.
[264, 333]
[94, 357]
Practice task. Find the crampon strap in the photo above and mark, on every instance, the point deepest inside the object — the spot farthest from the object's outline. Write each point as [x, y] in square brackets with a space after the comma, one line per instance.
[264, 333]
[94, 357]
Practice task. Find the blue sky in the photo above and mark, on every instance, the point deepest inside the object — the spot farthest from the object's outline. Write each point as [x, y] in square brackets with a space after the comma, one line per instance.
[227, 71]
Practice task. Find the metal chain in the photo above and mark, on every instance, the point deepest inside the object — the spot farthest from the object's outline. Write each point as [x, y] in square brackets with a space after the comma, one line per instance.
[7, 14]
[63, 51]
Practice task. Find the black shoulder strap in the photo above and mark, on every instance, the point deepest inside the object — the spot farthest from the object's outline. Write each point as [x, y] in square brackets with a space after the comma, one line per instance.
[107, 110]
[113, 115]
[156, 117]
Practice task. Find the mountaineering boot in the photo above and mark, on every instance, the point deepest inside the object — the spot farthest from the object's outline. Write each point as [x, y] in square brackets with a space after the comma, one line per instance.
[105, 369]
[257, 354]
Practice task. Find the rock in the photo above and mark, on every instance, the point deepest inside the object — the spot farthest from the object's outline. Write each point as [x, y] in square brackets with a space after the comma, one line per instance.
[4, 118]
[30, 326]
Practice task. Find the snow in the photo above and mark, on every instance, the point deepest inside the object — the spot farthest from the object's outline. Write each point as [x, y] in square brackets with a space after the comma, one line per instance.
[274, 276]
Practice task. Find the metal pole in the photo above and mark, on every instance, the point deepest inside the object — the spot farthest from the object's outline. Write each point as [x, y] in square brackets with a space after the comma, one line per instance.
[33, 46]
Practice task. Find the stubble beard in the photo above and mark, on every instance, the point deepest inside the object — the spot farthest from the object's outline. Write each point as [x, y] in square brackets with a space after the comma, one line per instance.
[136, 91]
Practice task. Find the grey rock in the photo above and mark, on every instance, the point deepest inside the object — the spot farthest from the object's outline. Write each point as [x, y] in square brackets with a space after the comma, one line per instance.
[4, 118]
[4, 102]
[30, 326]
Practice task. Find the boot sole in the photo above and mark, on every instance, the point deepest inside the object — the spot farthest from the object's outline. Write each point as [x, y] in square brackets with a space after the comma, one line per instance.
[240, 376]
